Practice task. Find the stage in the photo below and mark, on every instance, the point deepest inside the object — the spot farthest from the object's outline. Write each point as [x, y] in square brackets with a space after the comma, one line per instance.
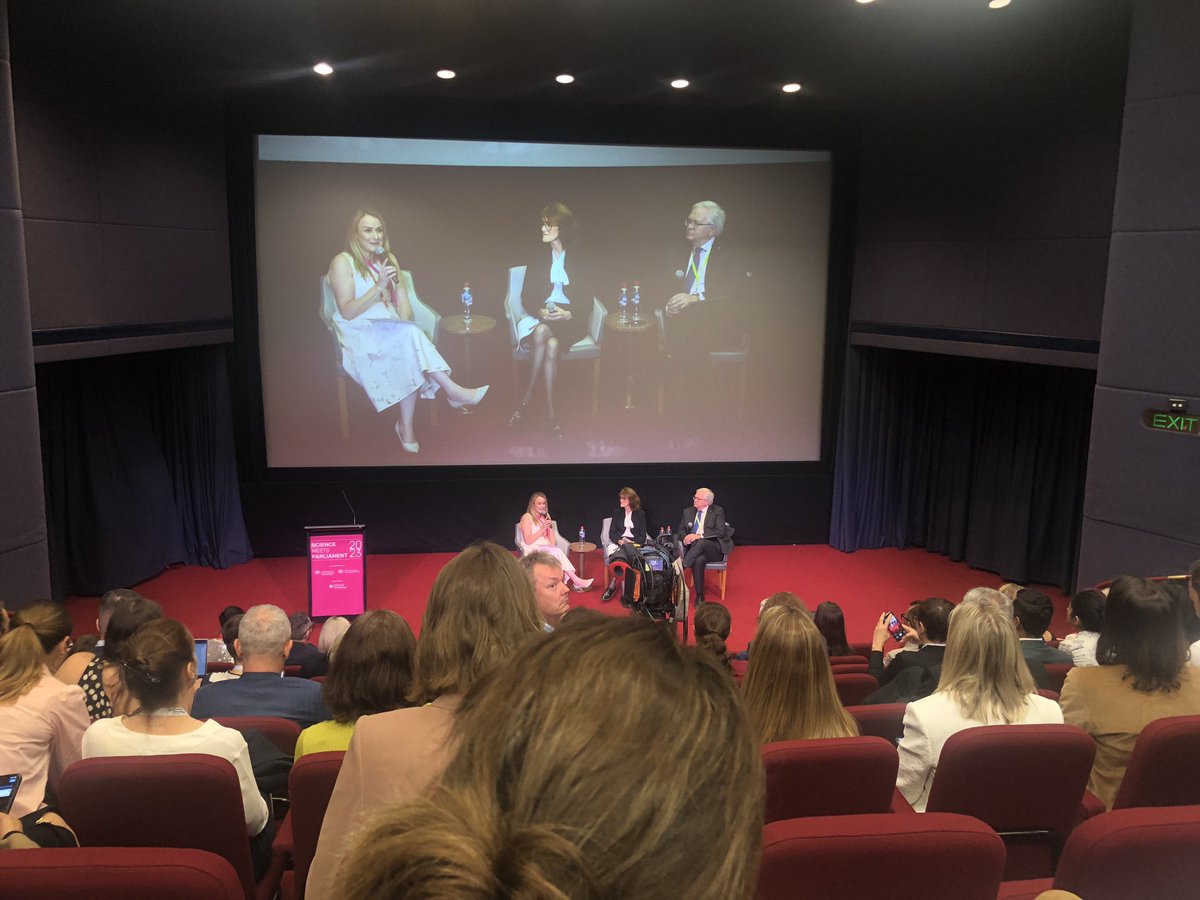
[864, 584]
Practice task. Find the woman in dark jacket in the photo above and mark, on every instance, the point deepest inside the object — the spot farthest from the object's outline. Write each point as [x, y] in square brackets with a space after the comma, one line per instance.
[628, 527]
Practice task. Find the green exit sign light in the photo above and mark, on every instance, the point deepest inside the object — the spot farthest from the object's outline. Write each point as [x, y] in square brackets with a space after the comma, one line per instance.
[1176, 423]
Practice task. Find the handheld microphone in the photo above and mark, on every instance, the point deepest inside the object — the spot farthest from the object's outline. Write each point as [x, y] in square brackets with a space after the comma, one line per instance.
[381, 252]
[353, 514]
[679, 273]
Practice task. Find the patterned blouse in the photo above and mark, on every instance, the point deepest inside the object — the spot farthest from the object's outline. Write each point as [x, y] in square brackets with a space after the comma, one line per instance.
[94, 696]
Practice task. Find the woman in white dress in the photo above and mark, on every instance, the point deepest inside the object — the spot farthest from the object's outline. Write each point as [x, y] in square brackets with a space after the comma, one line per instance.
[383, 349]
[537, 534]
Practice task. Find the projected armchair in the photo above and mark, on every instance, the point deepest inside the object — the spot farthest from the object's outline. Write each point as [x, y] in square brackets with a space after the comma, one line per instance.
[427, 319]
[738, 357]
[585, 348]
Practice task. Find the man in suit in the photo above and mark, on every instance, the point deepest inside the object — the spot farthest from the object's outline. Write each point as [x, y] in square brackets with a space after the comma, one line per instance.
[931, 623]
[702, 537]
[263, 641]
[1032, 612]
[700, 315]
[312, 662]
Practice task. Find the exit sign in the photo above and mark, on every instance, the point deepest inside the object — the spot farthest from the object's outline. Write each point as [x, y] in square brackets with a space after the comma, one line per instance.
[1178, 423]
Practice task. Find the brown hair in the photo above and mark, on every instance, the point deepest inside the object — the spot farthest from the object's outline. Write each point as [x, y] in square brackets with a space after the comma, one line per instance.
[789, 690]
[784, 598]
[1143, 632]
[635, 502]
[372, 670]
[538, 800]
[559, 214]
[480, 609]
[984, 671]
[712, 623]
[33, 632]
[154, 663]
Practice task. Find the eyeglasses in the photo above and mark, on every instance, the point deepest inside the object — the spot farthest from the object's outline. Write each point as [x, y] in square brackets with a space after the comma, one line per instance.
[692, 223]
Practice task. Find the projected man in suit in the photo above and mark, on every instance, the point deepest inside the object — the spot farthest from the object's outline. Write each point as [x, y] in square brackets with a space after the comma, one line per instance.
[703, 537]
[702, 313]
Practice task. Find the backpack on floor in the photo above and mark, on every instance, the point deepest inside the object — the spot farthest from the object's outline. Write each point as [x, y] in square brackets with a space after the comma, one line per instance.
[650, 580]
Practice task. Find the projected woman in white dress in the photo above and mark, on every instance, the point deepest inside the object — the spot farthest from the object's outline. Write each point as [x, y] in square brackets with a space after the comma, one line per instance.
[382, 348]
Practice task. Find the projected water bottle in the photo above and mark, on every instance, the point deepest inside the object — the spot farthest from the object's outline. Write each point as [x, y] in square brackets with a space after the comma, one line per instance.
[582, 534]
[636, 300]
[467, 300]
[623, 302]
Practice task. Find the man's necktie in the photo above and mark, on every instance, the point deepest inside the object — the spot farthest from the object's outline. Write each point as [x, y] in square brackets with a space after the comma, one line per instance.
[693, 272]
[696, 524]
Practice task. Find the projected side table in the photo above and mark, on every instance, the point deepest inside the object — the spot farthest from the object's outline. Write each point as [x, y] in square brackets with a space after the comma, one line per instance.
[458, 325]
[630, 331]
[582, 548]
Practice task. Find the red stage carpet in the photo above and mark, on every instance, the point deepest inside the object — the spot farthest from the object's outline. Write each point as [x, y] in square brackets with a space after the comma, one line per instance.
[864, 583]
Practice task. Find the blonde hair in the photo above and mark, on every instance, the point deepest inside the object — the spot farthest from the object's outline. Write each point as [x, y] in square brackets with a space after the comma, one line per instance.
[984, 671]
[540, 800]
[789, 691]
[532, 499]
[480, 609]
[33, 632]
[355, 249]
[331, 635]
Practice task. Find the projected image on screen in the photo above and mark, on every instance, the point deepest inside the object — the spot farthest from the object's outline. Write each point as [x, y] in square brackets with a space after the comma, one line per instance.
[471, 303]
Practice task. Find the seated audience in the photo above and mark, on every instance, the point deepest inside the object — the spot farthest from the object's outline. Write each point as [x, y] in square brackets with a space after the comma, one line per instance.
[1193, 589]
[788, 690]
[712, 623]
[311, 661]
[42, 720]
[42, 829]
[264, 638]
[85, 666]
[158, 669]
[1085, 613]
[229, 633]
[481, 610]
[910, 642]
[332, 632]
[984, 681]
[930, 620]
[371, 674]
[1142, 676]
[129, 616]
[1001, 599]
[220, 650]
[779, 598]
[533, 804]
[549, 587]
[832, 624]
[1032, 612]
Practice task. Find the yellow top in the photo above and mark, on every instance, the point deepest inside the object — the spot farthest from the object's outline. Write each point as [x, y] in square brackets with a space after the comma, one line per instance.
[324, 736]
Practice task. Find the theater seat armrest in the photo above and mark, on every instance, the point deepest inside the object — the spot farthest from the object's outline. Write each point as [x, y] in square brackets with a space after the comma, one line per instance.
[1090, 806]
[899, 804]
[1027, 889]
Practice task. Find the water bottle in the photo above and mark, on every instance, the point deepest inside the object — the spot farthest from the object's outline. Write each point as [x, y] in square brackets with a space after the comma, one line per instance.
[467, 300]
[623, 302]
[636, 300]
[582, 535]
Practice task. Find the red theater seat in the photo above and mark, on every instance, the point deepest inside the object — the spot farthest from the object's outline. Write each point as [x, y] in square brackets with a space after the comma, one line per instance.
[310, 787]
[849, 668]
[1164, 768]
[848, 660]
[854, 687]
[829, 777]
[283, 733]
[885, 720]
[1057, 673]
[118, 873]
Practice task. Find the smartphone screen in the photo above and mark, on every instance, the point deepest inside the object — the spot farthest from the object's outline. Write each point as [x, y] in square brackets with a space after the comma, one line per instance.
[895, 627]
[8, 791]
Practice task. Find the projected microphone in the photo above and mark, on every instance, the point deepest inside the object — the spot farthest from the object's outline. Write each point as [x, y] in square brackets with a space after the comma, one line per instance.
[381, 252]
[679, 273]
[353, 514]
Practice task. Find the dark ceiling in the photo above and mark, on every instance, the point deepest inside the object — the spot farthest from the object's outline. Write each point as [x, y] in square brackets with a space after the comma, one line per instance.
[849, 56]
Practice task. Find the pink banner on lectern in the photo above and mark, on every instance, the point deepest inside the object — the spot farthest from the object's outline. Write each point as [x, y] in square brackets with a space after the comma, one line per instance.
[337, 574]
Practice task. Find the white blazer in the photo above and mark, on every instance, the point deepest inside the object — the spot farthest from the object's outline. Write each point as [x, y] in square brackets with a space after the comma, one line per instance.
[928, 724]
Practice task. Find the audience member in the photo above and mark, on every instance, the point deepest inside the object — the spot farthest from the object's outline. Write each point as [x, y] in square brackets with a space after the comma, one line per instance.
[264, 638]
[832, 624]
[911, 641]
[332, 631]
[788, 690]
[481, 610]
[1193, 589]
[85, 666]
[1001, 599]
[1085, 613]
[312, 662]
[130, 614]
[712, 623]
[1032, 612]
[158, 670]
[930, 620]
[984, 681]
[1176, 589]
[779, 598]
[1142, 676]
[42, 720]
[371, 674]
[229, 633]
[219, 649]
[532, 805]
[550, 588]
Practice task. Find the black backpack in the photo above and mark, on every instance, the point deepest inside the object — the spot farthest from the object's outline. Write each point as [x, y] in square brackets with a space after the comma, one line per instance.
[650, 580]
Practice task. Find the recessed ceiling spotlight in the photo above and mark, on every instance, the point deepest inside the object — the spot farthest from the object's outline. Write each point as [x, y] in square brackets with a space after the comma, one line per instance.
[866, 1]
[446, 74]
[998, 4]
[564, 78]
[791, 87]
[323, 68]
[680, 83]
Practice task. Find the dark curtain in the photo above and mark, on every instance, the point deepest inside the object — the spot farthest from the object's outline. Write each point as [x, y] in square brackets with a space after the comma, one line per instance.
[980, 460]
[139, 467]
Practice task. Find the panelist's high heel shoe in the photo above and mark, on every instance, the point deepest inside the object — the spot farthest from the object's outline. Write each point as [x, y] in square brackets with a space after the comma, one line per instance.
[473, 401]
[581, 584]
[518, 416]
[409, 446]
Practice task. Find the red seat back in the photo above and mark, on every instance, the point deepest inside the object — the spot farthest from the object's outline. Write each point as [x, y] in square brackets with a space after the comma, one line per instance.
[854, 687]
[849, 668]
[1164, 768]
[828, 777]
[118, 873]
[188, 800]
[885, 720]
[935, 856]
[220, 666]
[1025, 780]
[310, 787]
[291, 671]
[847, 660]
[739, 668]
[283, 733]
[1057, 674]
[1133, 853]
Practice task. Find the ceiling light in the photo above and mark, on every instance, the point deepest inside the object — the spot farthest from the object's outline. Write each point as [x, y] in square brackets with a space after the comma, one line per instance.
[866, 1]
[446, 74]
[323, 68]
[564, 78]
[998, 4]
[791, 87]
[680, 83]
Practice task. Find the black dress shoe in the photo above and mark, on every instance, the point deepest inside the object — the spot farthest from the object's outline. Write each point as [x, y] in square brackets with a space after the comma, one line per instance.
[608, 593]
[698, 602]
